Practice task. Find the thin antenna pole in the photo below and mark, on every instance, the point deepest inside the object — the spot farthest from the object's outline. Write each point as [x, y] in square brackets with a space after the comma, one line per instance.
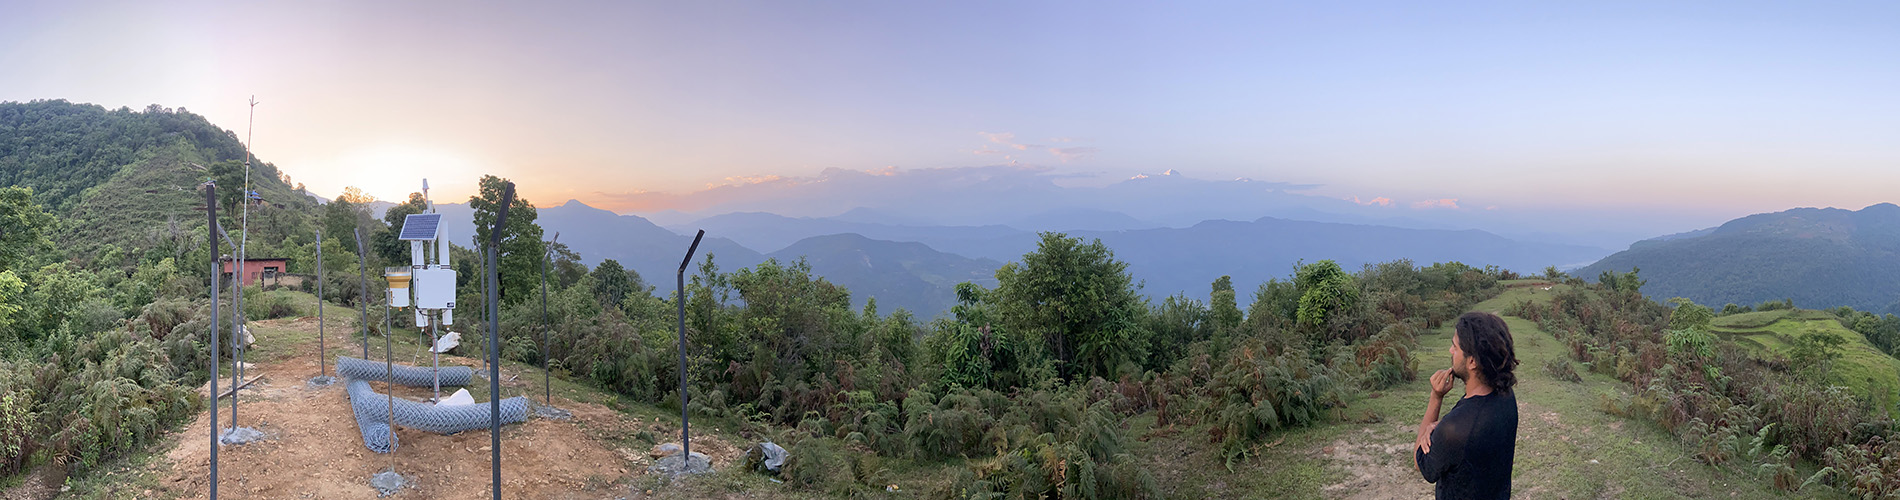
[322, 368]
[211, 209]
[494, 336]
[239, 331]
[362, 269]
[686, 438]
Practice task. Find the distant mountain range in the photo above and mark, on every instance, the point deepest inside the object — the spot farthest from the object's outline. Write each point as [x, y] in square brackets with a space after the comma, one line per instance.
[121, 177]
[1820, 257]
[916, 267]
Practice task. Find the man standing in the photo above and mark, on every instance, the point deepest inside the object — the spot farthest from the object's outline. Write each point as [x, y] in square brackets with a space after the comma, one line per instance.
[1468, 454]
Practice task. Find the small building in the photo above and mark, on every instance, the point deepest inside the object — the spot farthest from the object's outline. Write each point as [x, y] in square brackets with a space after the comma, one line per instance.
[258, 270]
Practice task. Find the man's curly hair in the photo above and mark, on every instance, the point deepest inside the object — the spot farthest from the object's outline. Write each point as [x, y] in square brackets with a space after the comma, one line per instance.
[1485, 337]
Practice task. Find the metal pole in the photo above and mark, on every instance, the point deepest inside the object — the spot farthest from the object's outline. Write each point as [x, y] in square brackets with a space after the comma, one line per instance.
[362, 269]
[435, 363]
[389, 386]
[322, 367]
[244, 238]
[686, 441]
[211, 209]
[494, 336]
[547, 391]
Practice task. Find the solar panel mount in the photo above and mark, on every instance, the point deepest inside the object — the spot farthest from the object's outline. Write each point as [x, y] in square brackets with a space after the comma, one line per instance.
[421, 227]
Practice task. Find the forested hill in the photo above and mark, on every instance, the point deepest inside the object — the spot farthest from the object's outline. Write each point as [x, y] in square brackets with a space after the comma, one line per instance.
[1819, 257]
[119, 176]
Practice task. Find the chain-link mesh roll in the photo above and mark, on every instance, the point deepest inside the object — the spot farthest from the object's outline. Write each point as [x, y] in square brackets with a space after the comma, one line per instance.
[372, 411]
[412, 376]
[371, 419]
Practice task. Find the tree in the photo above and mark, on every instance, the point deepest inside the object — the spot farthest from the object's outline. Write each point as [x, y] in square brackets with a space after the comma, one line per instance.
[384, 243]
[23, 226]
[521, 245]
[342, 217]
[1079, 300]
[1325, 291]
[1816, 350]
[612, 283]
[1689, 316]
[1225, 310]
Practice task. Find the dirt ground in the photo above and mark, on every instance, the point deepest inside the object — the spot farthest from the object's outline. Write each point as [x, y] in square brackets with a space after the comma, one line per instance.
[314, 449]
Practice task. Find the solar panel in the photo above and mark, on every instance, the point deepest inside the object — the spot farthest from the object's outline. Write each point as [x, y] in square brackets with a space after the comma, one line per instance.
[421, 227]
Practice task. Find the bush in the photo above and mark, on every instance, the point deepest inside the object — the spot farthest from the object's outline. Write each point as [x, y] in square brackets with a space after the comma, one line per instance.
[19, 429]
[1561, 369]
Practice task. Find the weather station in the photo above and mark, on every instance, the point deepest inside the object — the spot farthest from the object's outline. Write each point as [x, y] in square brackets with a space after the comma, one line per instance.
[430, 279]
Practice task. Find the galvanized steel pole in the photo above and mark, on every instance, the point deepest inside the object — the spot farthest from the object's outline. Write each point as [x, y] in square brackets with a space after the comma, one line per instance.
[686, 441]
[211, 209]
[494, 336]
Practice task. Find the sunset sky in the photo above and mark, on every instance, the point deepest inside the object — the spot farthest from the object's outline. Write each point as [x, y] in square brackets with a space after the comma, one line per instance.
[1722, 108]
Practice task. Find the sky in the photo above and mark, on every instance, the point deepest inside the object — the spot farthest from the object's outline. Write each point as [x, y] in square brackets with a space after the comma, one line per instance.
[1715, 109]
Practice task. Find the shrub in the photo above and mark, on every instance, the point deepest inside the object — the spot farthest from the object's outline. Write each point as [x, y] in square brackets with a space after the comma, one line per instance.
[1560, 369]
[19, 430]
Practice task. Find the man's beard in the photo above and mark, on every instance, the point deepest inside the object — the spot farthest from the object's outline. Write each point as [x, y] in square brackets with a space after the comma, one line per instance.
[1461, 373]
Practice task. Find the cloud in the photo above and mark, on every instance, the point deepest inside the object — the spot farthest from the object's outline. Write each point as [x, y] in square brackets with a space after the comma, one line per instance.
[835, 190]
[1380, 201]
[1068, 154]
[1003, 142]
[1451, 203]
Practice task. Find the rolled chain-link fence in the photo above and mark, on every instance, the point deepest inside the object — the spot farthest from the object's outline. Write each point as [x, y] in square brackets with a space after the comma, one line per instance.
[373, 413]
[413, 376]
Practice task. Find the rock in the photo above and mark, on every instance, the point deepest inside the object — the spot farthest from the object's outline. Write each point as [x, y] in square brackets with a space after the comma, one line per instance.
[676, 465]
[664, 450]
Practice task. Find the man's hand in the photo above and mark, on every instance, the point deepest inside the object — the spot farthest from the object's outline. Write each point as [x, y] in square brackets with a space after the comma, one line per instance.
[1441, 383]
[1425, 437]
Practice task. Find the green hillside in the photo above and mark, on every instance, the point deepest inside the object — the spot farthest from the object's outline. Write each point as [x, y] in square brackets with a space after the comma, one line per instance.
[1820, 257]
[1868, 372]
[123, 177]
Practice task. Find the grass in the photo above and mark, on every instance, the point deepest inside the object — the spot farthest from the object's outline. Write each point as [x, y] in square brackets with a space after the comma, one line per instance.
[1863, 369]
[1567, 447]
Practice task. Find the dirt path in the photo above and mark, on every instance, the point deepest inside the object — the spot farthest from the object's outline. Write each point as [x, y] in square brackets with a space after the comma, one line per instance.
[316, 451]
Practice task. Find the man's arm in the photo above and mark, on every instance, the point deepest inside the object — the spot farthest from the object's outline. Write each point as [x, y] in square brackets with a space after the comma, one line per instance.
[1441, 384]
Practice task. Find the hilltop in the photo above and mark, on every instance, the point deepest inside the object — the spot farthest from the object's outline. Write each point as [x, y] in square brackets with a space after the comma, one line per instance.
[1820, 257]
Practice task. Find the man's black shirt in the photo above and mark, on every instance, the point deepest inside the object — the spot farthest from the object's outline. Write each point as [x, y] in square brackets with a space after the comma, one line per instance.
[1472, 448]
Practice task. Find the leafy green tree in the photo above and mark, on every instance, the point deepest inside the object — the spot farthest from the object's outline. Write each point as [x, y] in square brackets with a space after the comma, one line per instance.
[23, 227]
[12, 301]
[384, 243]
[1689, 316]
[1622, 282]
[343, 216]
[1079, 300]
[1816, 350]
[1224, 309]
[521, 245]
[1176, 323]
[612, 283]
[1275, 306]
[1325, 291]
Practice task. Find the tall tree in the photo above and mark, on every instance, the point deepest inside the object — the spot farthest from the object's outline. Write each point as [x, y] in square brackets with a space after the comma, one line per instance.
[23, 226]
[1079, 300]
[384, 242]
[1326, 291]
[612, 283]
[1224, 308]
[521, 245]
